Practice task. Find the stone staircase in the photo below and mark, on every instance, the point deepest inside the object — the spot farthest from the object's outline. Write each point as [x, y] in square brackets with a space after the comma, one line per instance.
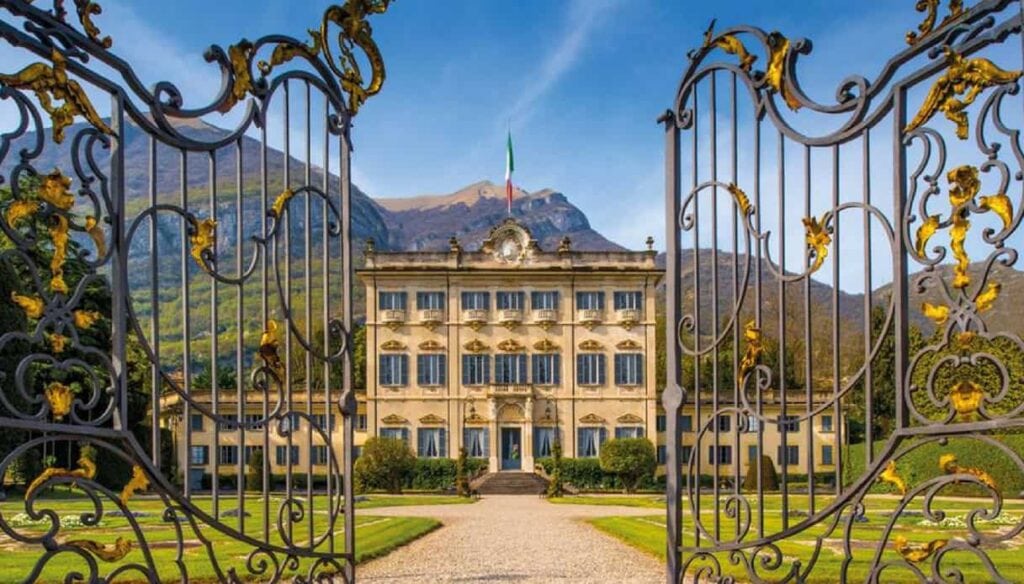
[510, 483]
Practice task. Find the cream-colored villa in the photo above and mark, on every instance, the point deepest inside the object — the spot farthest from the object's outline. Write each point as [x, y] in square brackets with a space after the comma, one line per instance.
[502, 349]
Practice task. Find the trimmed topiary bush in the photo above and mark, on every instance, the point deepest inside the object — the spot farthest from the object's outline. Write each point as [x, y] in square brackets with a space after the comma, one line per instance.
[629, 459]
[769, 478]
[385, 464]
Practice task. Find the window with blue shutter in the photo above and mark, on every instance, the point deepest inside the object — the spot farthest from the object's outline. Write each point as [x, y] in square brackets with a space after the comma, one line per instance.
[590, 300]
[430, 301]
[589, 441]
[544, 441]
[477, 442]
[629, 369]
[686, 423]
[628, 300]
[662, 454]
[392, 300]
[590, 369]
[476, 369]
[509, 369]
[791, 452]
[660, 422]
[629, 431]
[430, 443]
[826, 454]
[789, 423]
[547, 368]
[394, 370]
[476, 300]
[395, 434]
[544, 300]
[430, 370]
[510, 300]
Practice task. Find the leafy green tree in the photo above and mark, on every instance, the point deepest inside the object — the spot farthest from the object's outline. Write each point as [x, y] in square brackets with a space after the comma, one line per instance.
[254, 472]
[769, 478]
[630, 459]
[556, 486]
[461, 478]
[359, 357]
[225, 378]
[385, 464]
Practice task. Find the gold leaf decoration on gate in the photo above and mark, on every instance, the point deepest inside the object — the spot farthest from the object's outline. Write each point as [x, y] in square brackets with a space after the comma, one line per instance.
[956, 8]
[938, 313]
[241, 84]
[965, 77]
[269, 346]
[86, 10]
[202, 239]
[60, 398]
[966, 397]
[949, 465]
[752, 354]
[890, 475]
[138, 482]
[730, 44]
[84, 319]
[280, 202]
[108, 553]
[986, 299]
[917, 552]
[742, 200]
[999, 204]
[775, 77]
[32, 305]
[925, 232]
[59, 236]
[86, 470]
[95, 232]
[52, 83]
[817, 239]
[19, 210]
[57, 342]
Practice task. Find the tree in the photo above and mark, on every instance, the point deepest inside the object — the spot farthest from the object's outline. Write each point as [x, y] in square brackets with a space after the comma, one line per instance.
[556, 486]
[254, 473]
[225, 378]
[385, 464]
[461, 480]
[359, 357]
[630, 459]
[769, 478]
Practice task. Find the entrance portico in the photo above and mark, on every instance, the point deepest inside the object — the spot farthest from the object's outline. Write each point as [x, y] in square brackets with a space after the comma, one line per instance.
[512, 430]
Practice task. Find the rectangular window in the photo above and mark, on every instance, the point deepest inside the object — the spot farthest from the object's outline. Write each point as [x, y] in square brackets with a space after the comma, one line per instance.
[792, 455]
[547, 369]
[724, 423]
[281, 455]
[684, 453]
[394, 370]
[361, 422]
[250, 450]
[628, 300]
[199, 455]
[392, 300]
[318, 454]
[590, 369]
[543, 441]
[322, 422]
[590, 441]
[431, 370]
[629, 368]
[789, 423]
[430, 301]
[476, 442]
[686, 423]
[723, 455]
[509, 369]
[430, 443]
[510, 300]
[544, 300]
[228, 454]
[751, 452]
[476, 300]
[196, 423]
[826, 423]
[590, 301]
[629, 431]
[476, 370]
[395, 434]
[753, 423]
[826, 454]
[230, 422]
[662, 454]
[254, 421]
[661, 422]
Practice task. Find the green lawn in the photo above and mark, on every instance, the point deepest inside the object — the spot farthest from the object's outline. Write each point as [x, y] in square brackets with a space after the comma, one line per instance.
[649, 501]
[374, 501]
[648, 534]
[375, 535]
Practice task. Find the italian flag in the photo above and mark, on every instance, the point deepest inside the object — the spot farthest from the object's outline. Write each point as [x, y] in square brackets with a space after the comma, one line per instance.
[509, 167]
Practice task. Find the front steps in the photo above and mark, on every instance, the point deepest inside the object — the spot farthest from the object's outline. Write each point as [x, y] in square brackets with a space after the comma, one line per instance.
[510, 483]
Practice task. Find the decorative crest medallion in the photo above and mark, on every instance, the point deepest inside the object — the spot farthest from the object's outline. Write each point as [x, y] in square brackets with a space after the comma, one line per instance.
[432, 420]
[511, 346]
[591, 345]
[393, 345]
[475, 346]
[546, 346]
[393, 419]
[593, 419]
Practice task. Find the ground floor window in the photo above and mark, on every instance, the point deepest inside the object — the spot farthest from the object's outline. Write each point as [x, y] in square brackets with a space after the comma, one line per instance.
[477, 442]
[430, 443]
[629, 432]
[544, 441]
[281, 455]
[662, 454]
[720, 455]
[826, 454]
[789, 455]
[318, 454]
[590, 440]
[199, 455]
[228, 455]
[395, 433]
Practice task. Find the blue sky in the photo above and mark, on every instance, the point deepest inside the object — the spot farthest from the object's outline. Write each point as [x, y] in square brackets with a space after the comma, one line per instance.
[582, 82]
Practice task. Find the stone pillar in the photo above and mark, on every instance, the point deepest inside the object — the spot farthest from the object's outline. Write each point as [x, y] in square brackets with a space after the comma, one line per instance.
[493, 463]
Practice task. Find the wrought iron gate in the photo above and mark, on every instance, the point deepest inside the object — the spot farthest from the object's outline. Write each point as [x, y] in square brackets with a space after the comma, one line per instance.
[840, 318]
[177, 301]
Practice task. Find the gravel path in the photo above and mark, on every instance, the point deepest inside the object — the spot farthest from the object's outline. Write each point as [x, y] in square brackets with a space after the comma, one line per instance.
[514, 539]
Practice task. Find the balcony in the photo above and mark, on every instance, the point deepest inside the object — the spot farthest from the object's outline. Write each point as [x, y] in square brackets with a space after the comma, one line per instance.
[474, 317]
[392, 318]
[510, 318]
[431, 317]
[545, 317]
[513, 389]
[628, 317]
[590, 317]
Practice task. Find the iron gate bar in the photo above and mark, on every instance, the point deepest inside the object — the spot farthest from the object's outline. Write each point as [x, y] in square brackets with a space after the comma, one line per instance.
[955, 77]
[101, 419]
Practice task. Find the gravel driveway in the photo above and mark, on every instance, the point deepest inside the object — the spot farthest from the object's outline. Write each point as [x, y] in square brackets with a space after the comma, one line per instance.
[514, 539]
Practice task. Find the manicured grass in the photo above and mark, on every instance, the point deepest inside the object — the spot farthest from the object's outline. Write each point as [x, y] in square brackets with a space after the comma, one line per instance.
[375, 501]
[375, 536]
[647, 533]
[649, 501]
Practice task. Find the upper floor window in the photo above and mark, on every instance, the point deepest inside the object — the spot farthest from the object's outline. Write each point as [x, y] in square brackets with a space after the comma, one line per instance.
[544, 300]
[590, 300]
[721, 455]
[629, 369]
[430, 369]
[590, 369]
[660, 422]
[394, 370]
[629, 431]
[510, 300]
[724, 423]
[826, 423]
[196, 422]
[476, 369]
[510, 369]
[392, 300]
[323, 421]
[826, 454]
[361, 422]
[625, 300]
[430, 301]
[199, 454]
[686, 423]
[546, 368]
[753, 423]
[476, 300]
[789, 423]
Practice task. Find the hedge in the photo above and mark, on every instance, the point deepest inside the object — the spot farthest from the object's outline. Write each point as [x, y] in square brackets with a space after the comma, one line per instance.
[586, 474]
[438, 474]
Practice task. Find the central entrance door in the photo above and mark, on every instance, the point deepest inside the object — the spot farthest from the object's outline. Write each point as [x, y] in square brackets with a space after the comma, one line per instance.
[511, 449]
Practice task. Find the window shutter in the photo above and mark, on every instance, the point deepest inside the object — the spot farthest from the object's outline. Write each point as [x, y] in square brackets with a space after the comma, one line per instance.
[487, 369]
[521, 378]
[403, 363]
[600, 370]
[579, 369]
[535, 369]
[442, 369]
[556, 369]
[421, 366]
[579, 442]
[443, 447]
